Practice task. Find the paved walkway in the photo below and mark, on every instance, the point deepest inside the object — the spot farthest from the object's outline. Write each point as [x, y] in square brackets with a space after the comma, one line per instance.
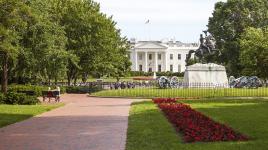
[85, 123]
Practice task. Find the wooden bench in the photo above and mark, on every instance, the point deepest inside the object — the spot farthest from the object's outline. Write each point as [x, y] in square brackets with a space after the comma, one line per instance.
[51, 94]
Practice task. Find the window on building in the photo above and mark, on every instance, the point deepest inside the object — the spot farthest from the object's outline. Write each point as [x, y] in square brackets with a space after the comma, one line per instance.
[179, 68]
[159, 56]
[140, 67]
[179, 56]
[140, 56]
[159, 68]
[171, 68]
[171, 56]
[150, 70]
[150, 56]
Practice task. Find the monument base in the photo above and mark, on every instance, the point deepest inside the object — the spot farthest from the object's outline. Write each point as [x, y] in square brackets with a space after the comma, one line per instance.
[205, 76]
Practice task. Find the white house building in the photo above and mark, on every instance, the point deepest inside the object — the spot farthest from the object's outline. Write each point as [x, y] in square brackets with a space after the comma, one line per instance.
[159, 56]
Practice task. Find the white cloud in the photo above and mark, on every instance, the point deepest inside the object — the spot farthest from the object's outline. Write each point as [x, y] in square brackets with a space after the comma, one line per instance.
[171, 18]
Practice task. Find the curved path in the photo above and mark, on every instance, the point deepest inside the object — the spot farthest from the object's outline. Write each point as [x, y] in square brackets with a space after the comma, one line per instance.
[84, 123]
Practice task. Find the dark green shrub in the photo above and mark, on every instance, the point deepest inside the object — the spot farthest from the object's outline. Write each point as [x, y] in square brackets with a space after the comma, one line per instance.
[29, 88]
[12, 98]
[20, 99]
[2, 98]
[168, 73]
[30, 100]
[82, 89]
[140, 73]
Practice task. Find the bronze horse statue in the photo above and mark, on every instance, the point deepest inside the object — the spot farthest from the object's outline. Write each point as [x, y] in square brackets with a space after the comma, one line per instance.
[207, 47]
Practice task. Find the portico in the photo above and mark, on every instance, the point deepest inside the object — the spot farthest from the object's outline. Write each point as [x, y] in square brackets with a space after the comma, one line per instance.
[150, 61]
[153, 56]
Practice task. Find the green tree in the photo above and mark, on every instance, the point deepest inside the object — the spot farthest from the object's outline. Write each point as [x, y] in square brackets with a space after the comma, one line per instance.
[14, 16]
[43, 54]
[254, 52]
[53, 38]
[228, 23]
[93, 37]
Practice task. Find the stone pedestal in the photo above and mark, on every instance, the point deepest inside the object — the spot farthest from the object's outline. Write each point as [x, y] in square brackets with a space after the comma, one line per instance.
[205, 76]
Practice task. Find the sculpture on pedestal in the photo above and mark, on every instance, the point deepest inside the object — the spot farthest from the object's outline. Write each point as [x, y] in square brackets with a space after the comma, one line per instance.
[207, 47]
[205, 74]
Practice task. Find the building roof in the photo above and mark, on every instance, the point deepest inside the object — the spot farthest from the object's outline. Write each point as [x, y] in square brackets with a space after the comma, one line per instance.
[163, 43]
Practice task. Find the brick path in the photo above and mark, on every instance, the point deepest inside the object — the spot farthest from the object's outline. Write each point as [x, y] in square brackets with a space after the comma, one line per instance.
[84, 123]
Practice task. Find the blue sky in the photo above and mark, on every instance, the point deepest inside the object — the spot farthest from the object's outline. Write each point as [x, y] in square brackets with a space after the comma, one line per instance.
[183, 20]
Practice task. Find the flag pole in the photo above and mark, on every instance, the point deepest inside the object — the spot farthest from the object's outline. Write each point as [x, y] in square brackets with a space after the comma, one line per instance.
[147, 23]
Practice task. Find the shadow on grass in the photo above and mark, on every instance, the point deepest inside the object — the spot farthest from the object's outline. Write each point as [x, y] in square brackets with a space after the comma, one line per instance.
[7, 119]
[149, 129]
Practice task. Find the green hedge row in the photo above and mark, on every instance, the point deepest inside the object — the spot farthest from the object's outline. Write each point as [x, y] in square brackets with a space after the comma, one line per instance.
[82, 89]
[168, 73]
[36, 89]
[13, 98]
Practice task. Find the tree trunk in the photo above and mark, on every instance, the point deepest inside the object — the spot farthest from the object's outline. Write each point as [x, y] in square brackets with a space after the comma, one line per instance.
[75, 80]
[49, 80]
[69, 81]
[117, 79]
[5, 73]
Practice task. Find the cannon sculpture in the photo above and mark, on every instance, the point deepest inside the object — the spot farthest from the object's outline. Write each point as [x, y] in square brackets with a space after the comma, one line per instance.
[245, 82]
[165, 82]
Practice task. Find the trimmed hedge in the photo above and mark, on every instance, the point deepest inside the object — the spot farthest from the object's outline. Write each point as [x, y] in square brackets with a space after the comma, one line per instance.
[168, 73]
[12, 98]
[82, 89]
[37, 90]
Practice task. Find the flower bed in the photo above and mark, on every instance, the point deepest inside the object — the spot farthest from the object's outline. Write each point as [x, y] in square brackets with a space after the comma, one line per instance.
[194, 126]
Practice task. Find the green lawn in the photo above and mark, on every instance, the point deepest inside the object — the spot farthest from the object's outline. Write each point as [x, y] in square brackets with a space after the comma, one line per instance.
[156, 92]
[149, 129]
[13, 113]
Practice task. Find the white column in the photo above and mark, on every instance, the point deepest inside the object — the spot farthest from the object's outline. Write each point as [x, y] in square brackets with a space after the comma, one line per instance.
[166, 61]
[155, 61]
[146, 62]
[136, 61]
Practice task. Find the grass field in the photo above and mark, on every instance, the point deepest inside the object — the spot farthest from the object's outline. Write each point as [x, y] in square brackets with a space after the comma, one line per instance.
[149, 129]
[13, 113]
[156, 92]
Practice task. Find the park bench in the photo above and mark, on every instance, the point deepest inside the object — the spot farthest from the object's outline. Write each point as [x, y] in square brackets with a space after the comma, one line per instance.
[51, 94]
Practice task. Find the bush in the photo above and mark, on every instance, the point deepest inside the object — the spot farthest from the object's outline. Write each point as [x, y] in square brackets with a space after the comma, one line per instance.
[37, 90]
[2, 98]
[20, 99]
[82, 89]
[141, 73]
[168, 73]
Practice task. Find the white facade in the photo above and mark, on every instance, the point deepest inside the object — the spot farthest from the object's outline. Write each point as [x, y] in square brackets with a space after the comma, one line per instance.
[157, 56]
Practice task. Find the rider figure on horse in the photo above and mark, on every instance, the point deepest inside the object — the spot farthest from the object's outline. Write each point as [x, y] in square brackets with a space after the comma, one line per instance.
[205, 42]
[207, 47]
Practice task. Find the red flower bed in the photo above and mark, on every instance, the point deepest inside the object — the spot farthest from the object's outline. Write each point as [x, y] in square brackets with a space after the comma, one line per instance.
[196, 127]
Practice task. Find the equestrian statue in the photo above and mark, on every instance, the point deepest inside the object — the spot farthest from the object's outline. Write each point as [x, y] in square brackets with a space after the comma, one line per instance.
[207, 47]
